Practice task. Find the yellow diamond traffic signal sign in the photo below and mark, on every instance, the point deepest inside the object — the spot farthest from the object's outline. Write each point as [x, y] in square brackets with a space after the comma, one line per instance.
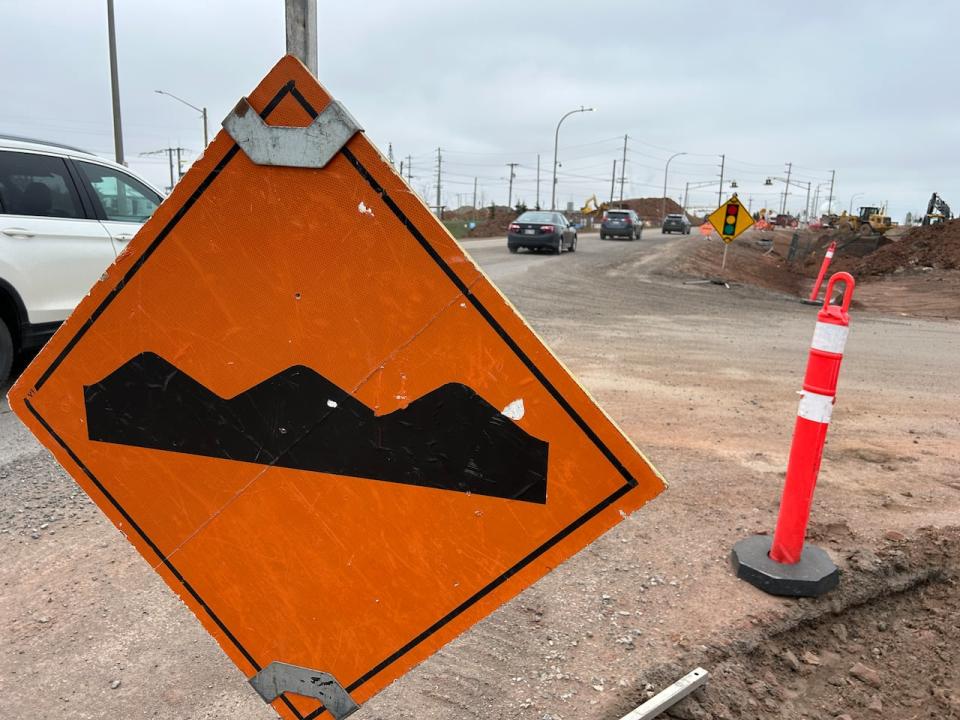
[730, 219]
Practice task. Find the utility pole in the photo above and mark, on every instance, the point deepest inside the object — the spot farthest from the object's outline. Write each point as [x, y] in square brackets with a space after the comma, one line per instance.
[390, 152]
[613, 180]
[833, 176]
[750, 204]
[623, 169]
[806, 212]
[786, 190]
[114, 85]
[474, 193]
[510, 191]
[439, 179]
[401, 168]
[686, 194]
[538, 181]
[409, 175]
[301, 24]
[723, 162]
[169, 152]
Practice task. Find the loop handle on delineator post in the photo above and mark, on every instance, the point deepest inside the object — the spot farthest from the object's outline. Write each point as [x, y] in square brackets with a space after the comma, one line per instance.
[849, 283]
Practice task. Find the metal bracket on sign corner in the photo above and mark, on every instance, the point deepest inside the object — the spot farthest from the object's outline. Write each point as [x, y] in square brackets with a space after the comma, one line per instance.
[280, 677]
[312, 146]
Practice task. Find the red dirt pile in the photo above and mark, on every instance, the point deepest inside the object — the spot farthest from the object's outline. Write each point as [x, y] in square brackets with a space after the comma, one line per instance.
[935, 246]
[492, 223]
[649, 209]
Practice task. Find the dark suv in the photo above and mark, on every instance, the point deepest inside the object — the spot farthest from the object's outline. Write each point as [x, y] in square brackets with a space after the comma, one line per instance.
[621, 223]
[675, 223]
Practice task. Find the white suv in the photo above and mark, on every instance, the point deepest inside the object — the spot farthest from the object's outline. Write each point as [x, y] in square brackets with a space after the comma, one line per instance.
[65, 214]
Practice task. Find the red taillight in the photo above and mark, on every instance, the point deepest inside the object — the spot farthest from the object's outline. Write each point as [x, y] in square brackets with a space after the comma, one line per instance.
[514, 227]
[628, 221]
[547, 228]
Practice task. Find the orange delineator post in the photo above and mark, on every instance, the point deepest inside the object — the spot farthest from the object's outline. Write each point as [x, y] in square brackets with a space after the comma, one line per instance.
[828, 256]
[813, 419]
[783, 564]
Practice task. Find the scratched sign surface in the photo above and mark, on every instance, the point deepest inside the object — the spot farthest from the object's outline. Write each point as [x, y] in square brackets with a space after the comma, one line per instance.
[317, 420]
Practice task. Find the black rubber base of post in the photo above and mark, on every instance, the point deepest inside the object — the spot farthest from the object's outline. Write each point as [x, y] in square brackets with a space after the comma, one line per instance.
[813, 576]
[807, 301]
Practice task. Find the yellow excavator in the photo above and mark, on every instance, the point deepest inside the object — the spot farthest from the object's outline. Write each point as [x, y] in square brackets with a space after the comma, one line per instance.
[592, 206]
[868, 221]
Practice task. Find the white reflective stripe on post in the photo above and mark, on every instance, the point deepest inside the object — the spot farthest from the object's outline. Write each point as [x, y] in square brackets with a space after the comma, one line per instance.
[814, 407]
[829, 253]
[830, 338]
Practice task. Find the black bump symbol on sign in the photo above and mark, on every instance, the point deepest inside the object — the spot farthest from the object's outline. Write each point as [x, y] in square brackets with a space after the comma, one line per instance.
[449, 439]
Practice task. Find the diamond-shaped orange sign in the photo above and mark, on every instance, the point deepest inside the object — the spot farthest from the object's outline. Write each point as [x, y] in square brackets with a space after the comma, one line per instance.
[314, 416]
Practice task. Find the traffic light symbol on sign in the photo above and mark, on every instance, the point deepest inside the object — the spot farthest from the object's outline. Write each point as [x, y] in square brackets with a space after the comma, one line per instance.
[730, 221]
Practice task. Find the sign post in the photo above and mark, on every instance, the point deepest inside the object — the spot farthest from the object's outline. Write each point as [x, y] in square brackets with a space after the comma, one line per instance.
[730, 220]
[316, 418]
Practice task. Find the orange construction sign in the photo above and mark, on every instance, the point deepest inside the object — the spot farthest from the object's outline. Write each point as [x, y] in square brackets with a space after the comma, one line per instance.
[314, 416]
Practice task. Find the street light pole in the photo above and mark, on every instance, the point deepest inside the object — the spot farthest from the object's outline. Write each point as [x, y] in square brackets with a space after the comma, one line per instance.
[202, 111]
[666, 169]
[852, 198]
[556, 142]
[114, 84]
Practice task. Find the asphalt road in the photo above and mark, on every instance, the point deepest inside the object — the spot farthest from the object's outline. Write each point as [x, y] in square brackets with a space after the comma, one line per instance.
[505, 268]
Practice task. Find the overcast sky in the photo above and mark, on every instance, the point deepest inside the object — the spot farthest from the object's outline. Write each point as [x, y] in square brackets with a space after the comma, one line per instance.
[865, 88]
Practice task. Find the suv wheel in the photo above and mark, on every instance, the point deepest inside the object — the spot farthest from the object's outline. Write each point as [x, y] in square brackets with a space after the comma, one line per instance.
[6, 351]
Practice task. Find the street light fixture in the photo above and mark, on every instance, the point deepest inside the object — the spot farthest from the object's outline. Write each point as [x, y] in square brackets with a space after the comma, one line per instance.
[202, 111]
[853, 197]
[663, 204]
[556, 140]
[788, 182]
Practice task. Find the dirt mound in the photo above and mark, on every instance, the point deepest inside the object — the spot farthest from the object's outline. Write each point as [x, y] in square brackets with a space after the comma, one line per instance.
[651, 210]
[751, 260]
[893, 656]
[934, 246]
[490, 221]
